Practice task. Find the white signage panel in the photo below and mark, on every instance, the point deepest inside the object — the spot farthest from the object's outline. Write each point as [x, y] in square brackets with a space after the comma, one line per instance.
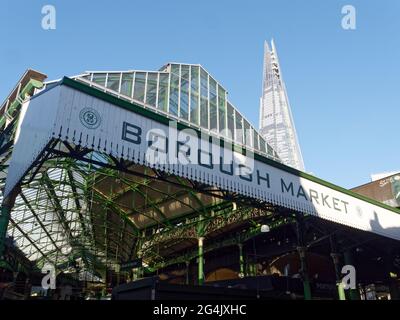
[83, 119]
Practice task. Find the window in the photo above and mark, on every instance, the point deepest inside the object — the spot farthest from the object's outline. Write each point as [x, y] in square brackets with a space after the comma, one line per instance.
[184, 105]
[239, 127]
[255, 140]
[194, 94]
[231, 120]
[262, 145]
[151, 89]
[204, 99]
[174, 90]
[221, 109]
[113, 81]
[247, 133]
[213, 105]
[138, 92]
[126, 84]
[99, 78]
[163, 92]
[270, 151]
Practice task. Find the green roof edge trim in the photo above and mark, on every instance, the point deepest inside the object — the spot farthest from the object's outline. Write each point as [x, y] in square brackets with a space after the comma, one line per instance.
[164, 120]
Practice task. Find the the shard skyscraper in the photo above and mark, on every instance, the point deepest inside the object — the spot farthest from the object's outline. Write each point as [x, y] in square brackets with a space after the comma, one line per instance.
[276, 121]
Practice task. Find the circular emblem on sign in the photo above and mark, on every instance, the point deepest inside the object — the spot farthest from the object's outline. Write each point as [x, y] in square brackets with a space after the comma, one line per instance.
[90, 118]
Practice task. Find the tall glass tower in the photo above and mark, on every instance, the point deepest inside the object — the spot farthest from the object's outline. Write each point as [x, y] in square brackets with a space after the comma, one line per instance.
[276, 121]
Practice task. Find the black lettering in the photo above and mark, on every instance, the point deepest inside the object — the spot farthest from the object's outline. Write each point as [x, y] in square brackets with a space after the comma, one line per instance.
[222, 169]
[131, 133]
[314, 195]
[154, 137]
[210, 164]
[301, 193]
[287, 188]
[324, 202]
[248, 177]
[259, 178]
[345, 205]
[336, 204]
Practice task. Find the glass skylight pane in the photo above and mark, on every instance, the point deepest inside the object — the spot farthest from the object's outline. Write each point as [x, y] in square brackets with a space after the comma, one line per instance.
[174, 90]
[204, 99]
[255, 140]
[247, 134]
[184, 105]
[151, 94]
[262, 145]
[239, 128]
[231, 120]
[163, 92]
[127, 84]
[113, 81]
[138, 92]
[194, 95]
[221, 109]
[213, 105]
[100, 78]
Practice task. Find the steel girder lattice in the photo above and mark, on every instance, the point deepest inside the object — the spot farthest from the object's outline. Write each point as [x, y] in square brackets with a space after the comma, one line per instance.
[76, 204]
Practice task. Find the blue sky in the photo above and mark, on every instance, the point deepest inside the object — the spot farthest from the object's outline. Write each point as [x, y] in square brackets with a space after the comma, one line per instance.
[343, 85]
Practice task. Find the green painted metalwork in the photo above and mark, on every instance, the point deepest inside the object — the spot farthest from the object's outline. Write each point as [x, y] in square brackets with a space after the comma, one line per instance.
[232, 240]
[241, 259]
[341, 292]
[4, 220]
[200, 261]
[14, 106]
[78, 204]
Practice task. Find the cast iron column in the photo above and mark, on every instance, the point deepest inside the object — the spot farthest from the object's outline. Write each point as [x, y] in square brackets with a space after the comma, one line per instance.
[392, 283]
[201, 261]
[336, 262]
[302, 250]
[241, 260]
[187, 272]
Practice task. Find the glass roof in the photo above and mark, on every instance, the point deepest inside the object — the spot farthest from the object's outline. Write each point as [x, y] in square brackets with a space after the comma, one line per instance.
[186, 92]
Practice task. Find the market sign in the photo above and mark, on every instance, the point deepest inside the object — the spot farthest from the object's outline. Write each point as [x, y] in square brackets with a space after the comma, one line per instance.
[84, 116]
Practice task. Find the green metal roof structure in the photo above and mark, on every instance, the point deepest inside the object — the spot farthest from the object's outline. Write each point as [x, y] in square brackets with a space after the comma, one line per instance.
[97, 211]
[79, 205]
